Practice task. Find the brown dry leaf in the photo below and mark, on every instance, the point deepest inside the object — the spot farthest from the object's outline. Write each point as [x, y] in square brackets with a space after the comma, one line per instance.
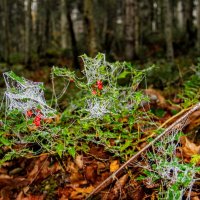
[81, 192]
[42, 168]
[193, 121]
[120, 183]
[155, 95]
[75, 175]
[114, 165]
[64, 193]
[21, 196]
[117, 190]
[195, 198]
[188, 148]
[98, 152]
[91, 172]
[6, 180]
[79, 161]
[3, 171]
[135, 190]
[101, 165]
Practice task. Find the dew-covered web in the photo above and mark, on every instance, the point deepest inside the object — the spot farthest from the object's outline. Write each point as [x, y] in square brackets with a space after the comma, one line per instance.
[162, 163]
[97, 108]
[113, 97]
[24, 95]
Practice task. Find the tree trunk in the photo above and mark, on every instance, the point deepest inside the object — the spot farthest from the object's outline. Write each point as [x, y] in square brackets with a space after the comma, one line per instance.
[28, 33]
[90, 27]
[137, 28]
[168, 31]
[47, 34]
[188, 6]
[63, 24]
[73, 39]
[40, 27]
[129, 29]
[6, 31]
[198, 27]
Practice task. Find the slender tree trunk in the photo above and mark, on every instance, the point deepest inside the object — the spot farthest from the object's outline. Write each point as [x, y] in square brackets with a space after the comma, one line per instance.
[63, 24]
[90, 27]
[40, 27]
[137, 28]
[47, 34]
[168, 31]
[198, 27]
[28, 28]
[73, 39]
[188, 6]
[129, 29]
[6, 31]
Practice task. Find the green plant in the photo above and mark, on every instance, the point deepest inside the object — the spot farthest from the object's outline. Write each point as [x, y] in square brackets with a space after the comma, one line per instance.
[168, 171]
[191, 88]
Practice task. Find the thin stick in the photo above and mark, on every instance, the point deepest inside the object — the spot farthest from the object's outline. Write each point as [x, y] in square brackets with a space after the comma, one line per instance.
[113, 176]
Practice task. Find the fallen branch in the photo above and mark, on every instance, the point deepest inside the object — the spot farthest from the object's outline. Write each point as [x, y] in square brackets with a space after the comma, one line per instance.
[118, 172]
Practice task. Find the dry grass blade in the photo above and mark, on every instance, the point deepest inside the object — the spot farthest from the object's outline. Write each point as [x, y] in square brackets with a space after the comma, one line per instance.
[118, 172]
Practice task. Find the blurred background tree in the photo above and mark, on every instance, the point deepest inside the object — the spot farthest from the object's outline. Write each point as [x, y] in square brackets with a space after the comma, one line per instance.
[47, 32]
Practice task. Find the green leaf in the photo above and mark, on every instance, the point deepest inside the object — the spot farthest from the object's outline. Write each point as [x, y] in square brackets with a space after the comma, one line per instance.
[72, 151]
[5, 141]
[123, 74]
[126, 145]
[59, 149]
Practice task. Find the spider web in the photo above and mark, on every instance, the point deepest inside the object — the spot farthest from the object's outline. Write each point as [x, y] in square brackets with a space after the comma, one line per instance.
[24, 95]
[163, 162]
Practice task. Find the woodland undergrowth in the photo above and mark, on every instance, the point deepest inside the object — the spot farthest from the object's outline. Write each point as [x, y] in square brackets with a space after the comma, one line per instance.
[111, 116]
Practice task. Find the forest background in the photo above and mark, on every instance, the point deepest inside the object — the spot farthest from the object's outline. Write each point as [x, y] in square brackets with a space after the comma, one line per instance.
[104, 119]
[37, 33]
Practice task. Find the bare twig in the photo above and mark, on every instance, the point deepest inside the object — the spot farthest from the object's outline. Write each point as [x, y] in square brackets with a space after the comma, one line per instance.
[118, 172]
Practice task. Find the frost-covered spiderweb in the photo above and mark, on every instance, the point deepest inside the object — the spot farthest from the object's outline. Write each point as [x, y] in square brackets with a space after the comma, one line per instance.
[112, 97]
[24, 95]
[164, 168]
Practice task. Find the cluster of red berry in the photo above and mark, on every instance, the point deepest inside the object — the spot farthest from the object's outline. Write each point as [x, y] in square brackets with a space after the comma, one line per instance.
[38, 116]
[99, 86]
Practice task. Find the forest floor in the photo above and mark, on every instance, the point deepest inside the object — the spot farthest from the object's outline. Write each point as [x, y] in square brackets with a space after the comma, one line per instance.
[50, 176]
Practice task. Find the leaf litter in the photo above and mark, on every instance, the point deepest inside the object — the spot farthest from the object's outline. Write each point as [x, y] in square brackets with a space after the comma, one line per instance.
[46, 176]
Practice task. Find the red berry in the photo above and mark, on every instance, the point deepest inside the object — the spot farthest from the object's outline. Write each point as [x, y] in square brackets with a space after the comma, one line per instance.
[99, 85]
[94, 92]
[37, 120]
[29, 113]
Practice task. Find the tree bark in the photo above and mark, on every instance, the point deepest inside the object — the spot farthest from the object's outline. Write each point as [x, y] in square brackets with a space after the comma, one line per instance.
[198, 27]
[168, 31]
[129, 29]
[137, 28]
[73, 39]
[63, 24]
[188, 6]
[6, 31]
[90, 27]
[28, 28]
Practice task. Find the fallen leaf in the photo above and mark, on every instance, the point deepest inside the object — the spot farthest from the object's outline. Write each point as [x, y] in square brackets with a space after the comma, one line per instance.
[80, 193]
[188, 148]
[120, 183]
[75, 176]
[21, 196]
[91, 172]
[79, 161]
[64, 193]
[195, 198]
[114, 165]
[43, 169]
